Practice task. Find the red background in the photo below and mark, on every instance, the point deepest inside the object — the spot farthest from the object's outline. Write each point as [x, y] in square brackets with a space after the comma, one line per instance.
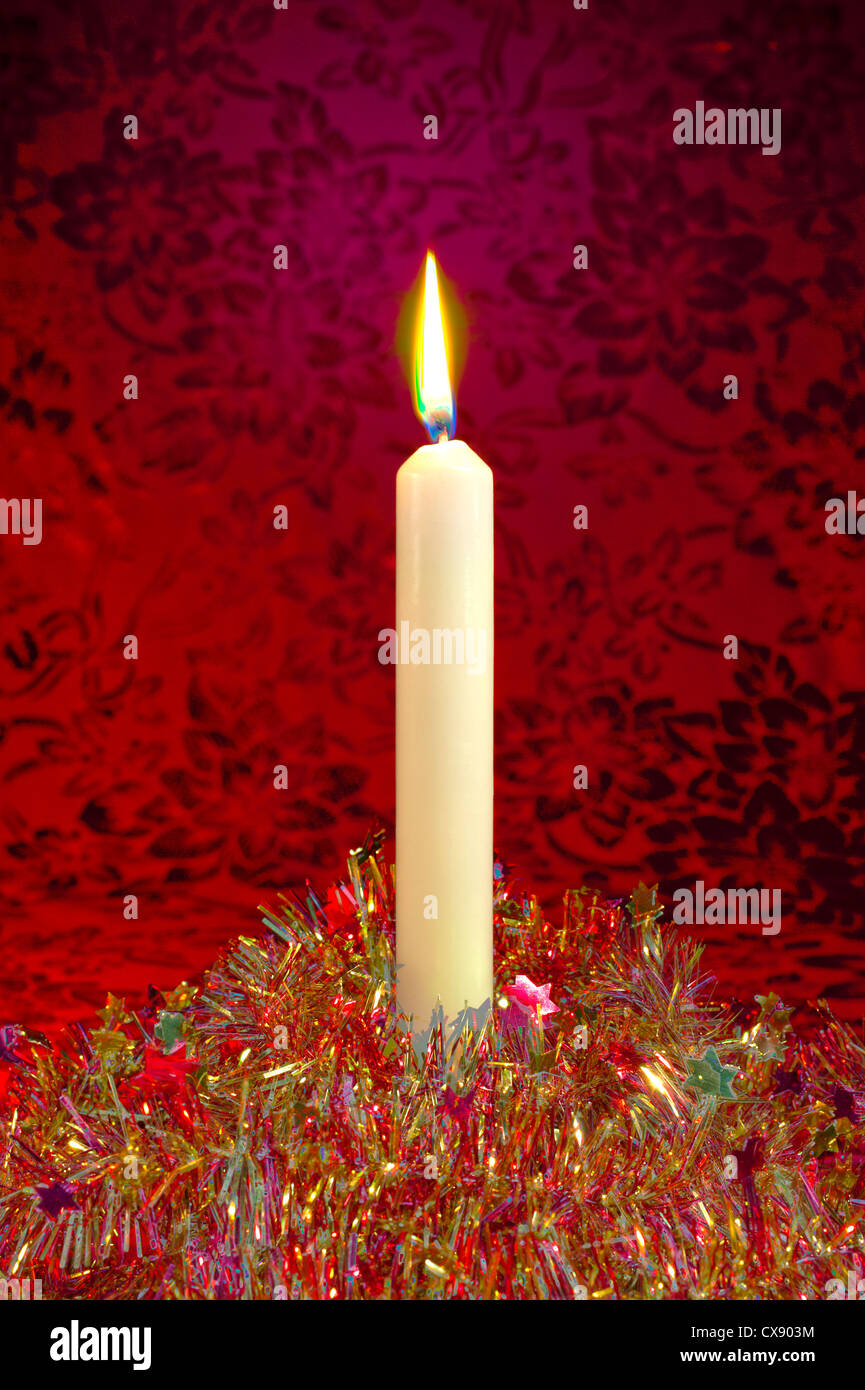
[258, 387]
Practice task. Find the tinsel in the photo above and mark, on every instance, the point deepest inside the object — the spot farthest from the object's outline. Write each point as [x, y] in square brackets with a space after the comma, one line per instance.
[609, 1131]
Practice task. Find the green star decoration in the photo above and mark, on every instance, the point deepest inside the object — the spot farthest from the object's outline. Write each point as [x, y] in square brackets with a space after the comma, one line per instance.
[644, 899]
[708, 1075]
[168, 1030]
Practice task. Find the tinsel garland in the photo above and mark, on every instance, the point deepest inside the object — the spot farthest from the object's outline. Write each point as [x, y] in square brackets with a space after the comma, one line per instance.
[614, 1133]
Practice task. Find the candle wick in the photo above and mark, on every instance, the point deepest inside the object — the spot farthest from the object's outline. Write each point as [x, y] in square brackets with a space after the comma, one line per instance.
[443, 437]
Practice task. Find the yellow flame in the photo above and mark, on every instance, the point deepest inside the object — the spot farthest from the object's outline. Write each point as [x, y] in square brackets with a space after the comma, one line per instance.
[435, 400]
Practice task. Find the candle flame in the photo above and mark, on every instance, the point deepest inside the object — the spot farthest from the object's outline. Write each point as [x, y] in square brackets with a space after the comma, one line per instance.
[434, 398]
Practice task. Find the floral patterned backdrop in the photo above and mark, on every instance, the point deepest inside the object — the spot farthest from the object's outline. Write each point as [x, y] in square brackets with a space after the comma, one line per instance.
[258, 387]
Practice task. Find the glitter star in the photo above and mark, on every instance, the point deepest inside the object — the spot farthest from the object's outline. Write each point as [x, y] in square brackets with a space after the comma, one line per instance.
[774, 1011]
[168, 1029]
[170, 1069]
[542, 1061]
[114, 1011]
[707, 1074]
[457, 1106]
[179, 998]
[340, 915]
[54, 1198]
[534, 1000]
[108, 1042]
[788, 1082]
[844, 1103]
[768, 1046]
[826, 1141]
[644, 899]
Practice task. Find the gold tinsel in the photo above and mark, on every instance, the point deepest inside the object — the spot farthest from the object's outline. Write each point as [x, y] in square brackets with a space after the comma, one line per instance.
[275, 1133]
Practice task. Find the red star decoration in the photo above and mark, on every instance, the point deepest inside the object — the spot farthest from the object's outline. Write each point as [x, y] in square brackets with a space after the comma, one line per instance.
[624, 1057]
[341, 916]
[167, 1069]
[458, 1107]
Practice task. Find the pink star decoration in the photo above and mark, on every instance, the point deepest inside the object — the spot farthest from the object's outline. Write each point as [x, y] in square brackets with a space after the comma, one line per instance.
[533, 1000]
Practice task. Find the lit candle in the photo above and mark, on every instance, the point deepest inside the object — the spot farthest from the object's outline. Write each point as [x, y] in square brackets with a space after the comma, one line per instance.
[444, 703]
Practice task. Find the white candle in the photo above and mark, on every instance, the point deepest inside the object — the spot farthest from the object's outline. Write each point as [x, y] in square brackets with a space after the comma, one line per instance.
[444, 706]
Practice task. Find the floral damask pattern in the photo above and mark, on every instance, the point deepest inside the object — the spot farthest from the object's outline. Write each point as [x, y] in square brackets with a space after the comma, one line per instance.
[261, 388]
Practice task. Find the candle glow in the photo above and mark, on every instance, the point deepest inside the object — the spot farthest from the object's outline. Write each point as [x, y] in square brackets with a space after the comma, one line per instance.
[434, 399]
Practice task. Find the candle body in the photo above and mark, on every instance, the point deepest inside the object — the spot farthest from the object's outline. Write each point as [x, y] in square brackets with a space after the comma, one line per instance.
[444, 731]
